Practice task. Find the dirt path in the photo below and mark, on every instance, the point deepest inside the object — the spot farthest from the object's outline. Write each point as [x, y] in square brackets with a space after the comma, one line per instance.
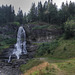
[58, 71]
[37, 68]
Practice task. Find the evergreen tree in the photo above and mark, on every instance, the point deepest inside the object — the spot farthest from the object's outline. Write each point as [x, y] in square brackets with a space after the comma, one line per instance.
[51, 12]
[7, 14]
[33, 14]
[45, 6]
[72, 8]
[20, 16]
[40, 11]
[25, 19]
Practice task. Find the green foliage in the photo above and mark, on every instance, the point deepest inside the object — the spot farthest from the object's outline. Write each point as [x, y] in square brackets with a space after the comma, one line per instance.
[40, 27]
[69, 66]
[30, 64]
[48, 70]
[7, 14]
[10, 41]
[46, 12]
[47, 48]
[69, 29]
[6, 42]
[66, 49]
[60, 49]
[33, 13]
[16, 23]
[19, 17]
[40, 11]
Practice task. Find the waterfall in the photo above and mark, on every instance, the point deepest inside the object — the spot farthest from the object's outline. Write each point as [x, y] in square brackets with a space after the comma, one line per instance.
[20, 46]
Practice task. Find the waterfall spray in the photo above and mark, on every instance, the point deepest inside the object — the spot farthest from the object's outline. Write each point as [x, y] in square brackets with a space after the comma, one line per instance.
[20, 46]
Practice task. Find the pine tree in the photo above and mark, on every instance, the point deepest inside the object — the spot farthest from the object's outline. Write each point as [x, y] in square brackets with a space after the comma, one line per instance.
[25, 19]
[33, 13]
[20, 16]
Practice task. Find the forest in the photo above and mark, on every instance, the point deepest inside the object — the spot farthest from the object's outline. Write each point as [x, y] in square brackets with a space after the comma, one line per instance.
[47, 12]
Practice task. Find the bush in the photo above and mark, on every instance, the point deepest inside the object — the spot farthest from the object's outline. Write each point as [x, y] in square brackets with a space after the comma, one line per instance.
[69, 29]
[47, 48]
[16, 23]
[10, 41]
[40, 27]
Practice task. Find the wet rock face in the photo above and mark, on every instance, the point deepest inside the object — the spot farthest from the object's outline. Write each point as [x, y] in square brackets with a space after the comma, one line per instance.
[31, 49]
[41, 34]
[9, 30]
[10, 68]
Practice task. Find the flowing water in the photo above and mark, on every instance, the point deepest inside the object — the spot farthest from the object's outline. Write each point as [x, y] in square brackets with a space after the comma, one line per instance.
[20, 46]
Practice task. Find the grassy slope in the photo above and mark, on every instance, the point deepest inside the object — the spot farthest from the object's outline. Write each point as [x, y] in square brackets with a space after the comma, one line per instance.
[58, 49]
[52, 67]
[62, 62]
[66, 49]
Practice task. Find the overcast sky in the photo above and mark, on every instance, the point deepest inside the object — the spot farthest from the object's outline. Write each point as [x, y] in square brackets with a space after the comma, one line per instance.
[25, 5]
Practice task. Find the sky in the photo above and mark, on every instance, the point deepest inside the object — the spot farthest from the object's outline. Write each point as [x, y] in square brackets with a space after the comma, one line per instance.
[25, 5]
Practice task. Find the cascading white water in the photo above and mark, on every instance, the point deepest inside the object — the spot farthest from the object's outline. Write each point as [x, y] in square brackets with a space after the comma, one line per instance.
[20, 46]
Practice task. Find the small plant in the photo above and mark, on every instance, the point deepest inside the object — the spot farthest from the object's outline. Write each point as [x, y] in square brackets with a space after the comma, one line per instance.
[65, 49]
[16, 23]
[40, 27]
[41, 72]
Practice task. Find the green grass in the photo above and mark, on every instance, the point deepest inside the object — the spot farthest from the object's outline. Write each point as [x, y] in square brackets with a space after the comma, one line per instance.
[30, 64]
[47, 48]
[57, 49]
[6, 43]
[40, 27]
[66, 49]
[68, 67]
[46, 71]
[46, 27]
[62, 54]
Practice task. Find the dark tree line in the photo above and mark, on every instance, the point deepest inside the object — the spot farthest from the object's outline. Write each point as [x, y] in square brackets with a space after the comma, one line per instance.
[50, 13]
[7, 14]
[47, 12]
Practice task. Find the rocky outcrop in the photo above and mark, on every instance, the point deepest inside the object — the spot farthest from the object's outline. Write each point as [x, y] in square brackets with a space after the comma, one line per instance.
[42, 33]
[8, 31]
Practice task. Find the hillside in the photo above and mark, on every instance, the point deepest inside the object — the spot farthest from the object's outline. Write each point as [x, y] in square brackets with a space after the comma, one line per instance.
[51, 66]
[61, 62]
[39, 41]
[48, 52]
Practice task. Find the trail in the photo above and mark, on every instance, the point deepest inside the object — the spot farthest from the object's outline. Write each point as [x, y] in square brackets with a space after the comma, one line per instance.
[37, 68]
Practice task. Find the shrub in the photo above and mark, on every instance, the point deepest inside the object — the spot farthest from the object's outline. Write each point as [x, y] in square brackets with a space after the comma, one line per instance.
[47, 48]
[69, 29]
[16, 23]
[40, 27]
